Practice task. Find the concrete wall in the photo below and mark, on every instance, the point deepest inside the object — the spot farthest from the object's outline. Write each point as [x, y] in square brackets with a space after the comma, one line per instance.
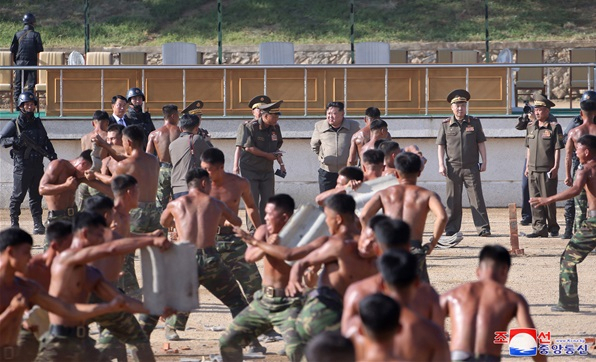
[501, 181]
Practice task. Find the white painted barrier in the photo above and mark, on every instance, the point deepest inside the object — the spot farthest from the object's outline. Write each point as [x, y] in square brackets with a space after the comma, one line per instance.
[170, 278]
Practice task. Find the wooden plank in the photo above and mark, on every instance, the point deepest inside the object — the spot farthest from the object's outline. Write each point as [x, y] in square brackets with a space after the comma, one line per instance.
[513, 232]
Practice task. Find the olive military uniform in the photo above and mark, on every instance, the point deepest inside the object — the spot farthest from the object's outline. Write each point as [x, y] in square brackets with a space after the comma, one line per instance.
[462, 167]
[542, 142]
[259, 170]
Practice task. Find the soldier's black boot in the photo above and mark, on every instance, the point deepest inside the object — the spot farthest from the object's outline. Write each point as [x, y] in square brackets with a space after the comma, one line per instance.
[14, 221]
[38, 228]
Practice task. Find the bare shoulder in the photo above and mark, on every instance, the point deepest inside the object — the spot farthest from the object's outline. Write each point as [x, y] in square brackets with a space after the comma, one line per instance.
[261, 233]
[427, 290]
[236, 179]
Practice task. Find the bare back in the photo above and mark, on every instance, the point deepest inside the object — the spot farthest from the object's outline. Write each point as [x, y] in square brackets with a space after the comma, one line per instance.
[145, 168]
[196, 216]
[409, 203]
[477, 310]
[160, 139]
[419, 339]
[349, 267]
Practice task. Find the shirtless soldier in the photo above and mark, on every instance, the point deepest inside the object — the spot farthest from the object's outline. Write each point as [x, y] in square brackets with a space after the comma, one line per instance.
[59, 184]
[343, 265]
[584, 240]
[588, 114]
[229, 189]
[271, 306]
[142, 166]
[100, 124]
[390, 235]
[362, 136]
[159, 141]
[116, 329]
[399, 272]
[487, 303]
[411, 204]
[378, 131]
[391, 149]
[18, 294]
[380, 323]
[196, 217]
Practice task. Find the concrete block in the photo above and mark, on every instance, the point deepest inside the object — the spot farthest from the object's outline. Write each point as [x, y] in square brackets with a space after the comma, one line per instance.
[170, 278]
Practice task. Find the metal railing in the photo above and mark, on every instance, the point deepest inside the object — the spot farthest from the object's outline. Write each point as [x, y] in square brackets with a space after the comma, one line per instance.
[510, 87]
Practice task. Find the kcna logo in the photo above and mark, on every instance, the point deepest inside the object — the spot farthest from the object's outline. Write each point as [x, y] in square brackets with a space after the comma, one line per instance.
[522, 341]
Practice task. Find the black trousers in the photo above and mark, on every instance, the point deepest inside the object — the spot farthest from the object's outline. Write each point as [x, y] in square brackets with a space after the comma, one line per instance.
[526, 211]
[327, 180]
[26, 177]
[25, 78]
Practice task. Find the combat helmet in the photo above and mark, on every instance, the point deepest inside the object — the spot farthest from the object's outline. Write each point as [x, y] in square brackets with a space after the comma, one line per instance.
[133, 92]
[26, 97]
[29, 19]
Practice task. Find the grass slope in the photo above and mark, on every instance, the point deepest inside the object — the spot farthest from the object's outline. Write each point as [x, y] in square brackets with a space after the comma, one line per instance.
[246, 22]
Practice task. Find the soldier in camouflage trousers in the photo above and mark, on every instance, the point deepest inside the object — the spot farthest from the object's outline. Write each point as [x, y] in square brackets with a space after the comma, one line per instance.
[578, 248]
[118, 328]
[67, 215]
[164, 185]
[232, 249]
[269, 308]
[143, 219]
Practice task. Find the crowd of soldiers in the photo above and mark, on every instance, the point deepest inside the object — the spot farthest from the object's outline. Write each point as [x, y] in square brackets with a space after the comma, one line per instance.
[362, 293]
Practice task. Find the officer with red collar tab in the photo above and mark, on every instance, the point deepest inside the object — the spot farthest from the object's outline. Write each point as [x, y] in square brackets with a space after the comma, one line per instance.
[460, 141]
[261, 140]
[544, 141]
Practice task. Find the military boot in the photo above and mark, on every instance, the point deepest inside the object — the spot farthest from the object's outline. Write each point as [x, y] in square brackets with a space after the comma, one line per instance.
[38, 228]
[14, 221]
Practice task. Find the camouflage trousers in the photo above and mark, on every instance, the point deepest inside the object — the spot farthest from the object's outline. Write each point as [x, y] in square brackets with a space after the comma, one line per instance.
[65, 217]
[84, 192]
[581, 207]
[28, 346]
[321, 312]
[117, 329]
[219, 281]
[232, 250]
[262, 314]
[164, 185]
[67, 349]
[578, 248]
[144, 219]
[420, 253]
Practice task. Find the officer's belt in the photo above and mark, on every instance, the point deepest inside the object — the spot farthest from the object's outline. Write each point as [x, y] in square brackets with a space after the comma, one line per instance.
[225, 230]
[165, 164]
[9, 353]
[70, 212]
[273, 292]
[592, 213]
[66, 331]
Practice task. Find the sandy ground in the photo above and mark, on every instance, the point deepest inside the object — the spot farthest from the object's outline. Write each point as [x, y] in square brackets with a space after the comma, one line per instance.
[535, 275]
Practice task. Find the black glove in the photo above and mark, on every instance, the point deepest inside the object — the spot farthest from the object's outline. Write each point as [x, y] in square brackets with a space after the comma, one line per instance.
[53, 156]
[522, 123]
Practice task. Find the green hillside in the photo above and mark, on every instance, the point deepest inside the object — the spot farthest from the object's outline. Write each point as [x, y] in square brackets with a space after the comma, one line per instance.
[246, 22]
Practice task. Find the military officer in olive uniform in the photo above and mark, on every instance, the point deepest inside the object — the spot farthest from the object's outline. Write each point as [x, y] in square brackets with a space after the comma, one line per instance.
[460, 141]
[544, 140]
[261, 140]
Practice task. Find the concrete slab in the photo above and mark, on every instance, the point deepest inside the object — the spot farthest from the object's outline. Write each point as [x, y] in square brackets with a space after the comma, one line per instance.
[170, 278]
